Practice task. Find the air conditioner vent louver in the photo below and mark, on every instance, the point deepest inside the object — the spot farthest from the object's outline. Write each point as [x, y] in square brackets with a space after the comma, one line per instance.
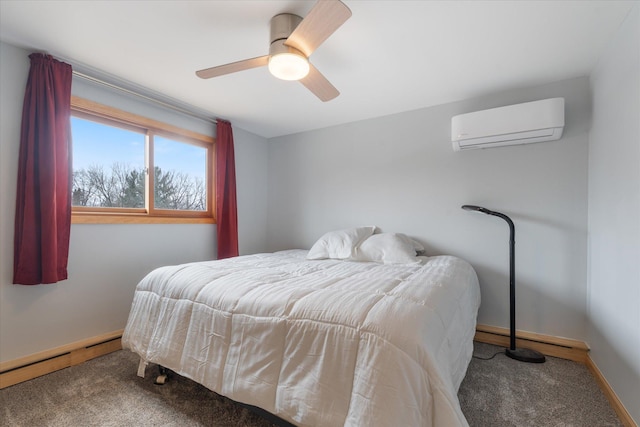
[525, 123]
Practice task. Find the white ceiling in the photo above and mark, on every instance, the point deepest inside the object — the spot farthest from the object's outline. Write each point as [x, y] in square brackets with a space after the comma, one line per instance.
[391, 56]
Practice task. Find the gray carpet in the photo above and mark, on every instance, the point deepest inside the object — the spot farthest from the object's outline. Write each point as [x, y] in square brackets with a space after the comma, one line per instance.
[503, 392]
[106, 392]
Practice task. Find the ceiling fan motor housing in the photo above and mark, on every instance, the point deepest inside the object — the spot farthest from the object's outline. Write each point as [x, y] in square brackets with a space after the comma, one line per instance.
[283, 25]
[281, 28]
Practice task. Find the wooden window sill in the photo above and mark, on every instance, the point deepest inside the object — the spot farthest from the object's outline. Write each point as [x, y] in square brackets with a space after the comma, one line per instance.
[87, 218]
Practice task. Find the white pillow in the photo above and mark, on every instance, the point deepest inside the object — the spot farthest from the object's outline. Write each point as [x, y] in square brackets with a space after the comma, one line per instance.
[340, 244]
[417, 246]
[388, 248]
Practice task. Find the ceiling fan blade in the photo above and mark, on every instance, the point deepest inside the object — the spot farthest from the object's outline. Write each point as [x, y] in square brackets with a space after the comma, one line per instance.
[319, 85]
[325, 18]
[233, 67]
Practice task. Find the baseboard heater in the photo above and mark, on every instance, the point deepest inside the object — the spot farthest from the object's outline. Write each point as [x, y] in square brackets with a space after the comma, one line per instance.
[563, 348]
[33, 366]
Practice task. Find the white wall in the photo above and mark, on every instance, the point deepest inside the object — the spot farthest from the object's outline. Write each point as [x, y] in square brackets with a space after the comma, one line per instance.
[614, 215]
[399, 172]
[251, 182]
[105, 261]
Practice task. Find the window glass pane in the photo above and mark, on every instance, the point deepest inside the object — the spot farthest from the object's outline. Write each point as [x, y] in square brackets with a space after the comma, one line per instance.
[108, 165]
[180, 174]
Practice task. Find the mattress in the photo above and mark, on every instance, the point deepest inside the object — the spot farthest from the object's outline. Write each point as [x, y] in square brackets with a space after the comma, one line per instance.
[317, 343]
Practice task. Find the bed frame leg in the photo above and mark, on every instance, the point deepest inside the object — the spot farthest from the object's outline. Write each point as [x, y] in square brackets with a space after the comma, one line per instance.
[142, 365]
[163, 377]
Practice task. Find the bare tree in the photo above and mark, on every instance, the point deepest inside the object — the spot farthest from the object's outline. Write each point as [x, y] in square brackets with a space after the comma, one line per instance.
[124, 186]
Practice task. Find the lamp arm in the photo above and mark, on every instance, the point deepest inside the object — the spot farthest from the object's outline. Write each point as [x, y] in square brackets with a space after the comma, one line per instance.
[512, 228]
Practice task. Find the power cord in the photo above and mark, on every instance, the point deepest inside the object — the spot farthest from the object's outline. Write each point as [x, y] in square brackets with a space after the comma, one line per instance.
[488, 358]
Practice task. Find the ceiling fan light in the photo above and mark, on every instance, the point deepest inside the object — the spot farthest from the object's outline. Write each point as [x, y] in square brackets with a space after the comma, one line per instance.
[288, 66]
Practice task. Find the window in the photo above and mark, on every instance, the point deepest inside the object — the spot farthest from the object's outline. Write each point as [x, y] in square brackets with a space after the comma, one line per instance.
[114, 153]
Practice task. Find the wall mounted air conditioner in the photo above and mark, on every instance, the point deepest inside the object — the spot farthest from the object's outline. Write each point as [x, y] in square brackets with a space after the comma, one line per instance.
[535, 121]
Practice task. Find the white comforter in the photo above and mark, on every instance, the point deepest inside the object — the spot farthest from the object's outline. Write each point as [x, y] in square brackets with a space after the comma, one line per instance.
[318, 343]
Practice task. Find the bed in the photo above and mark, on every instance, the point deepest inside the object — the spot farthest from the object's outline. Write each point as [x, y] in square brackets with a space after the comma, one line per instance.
[317, 342]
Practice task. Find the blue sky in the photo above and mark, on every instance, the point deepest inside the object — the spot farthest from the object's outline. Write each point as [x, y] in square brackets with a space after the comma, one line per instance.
[172, 155]
[95, 143]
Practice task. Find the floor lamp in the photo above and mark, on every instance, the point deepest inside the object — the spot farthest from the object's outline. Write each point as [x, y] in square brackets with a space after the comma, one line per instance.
[521, 354]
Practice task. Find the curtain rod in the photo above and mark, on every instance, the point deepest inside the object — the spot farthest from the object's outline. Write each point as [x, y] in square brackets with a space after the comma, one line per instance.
[148, 98]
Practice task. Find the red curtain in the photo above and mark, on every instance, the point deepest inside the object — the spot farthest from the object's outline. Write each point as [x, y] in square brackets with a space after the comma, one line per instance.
[226, 203]
[43, 201]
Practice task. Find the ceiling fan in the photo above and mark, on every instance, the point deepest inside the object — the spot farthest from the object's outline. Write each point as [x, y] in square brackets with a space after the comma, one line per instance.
[293, 40]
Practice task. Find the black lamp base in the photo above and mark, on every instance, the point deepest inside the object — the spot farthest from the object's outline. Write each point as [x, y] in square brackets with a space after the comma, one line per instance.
[525, 355]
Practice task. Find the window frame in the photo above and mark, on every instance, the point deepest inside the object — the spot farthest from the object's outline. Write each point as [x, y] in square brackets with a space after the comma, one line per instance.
[90, 110]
